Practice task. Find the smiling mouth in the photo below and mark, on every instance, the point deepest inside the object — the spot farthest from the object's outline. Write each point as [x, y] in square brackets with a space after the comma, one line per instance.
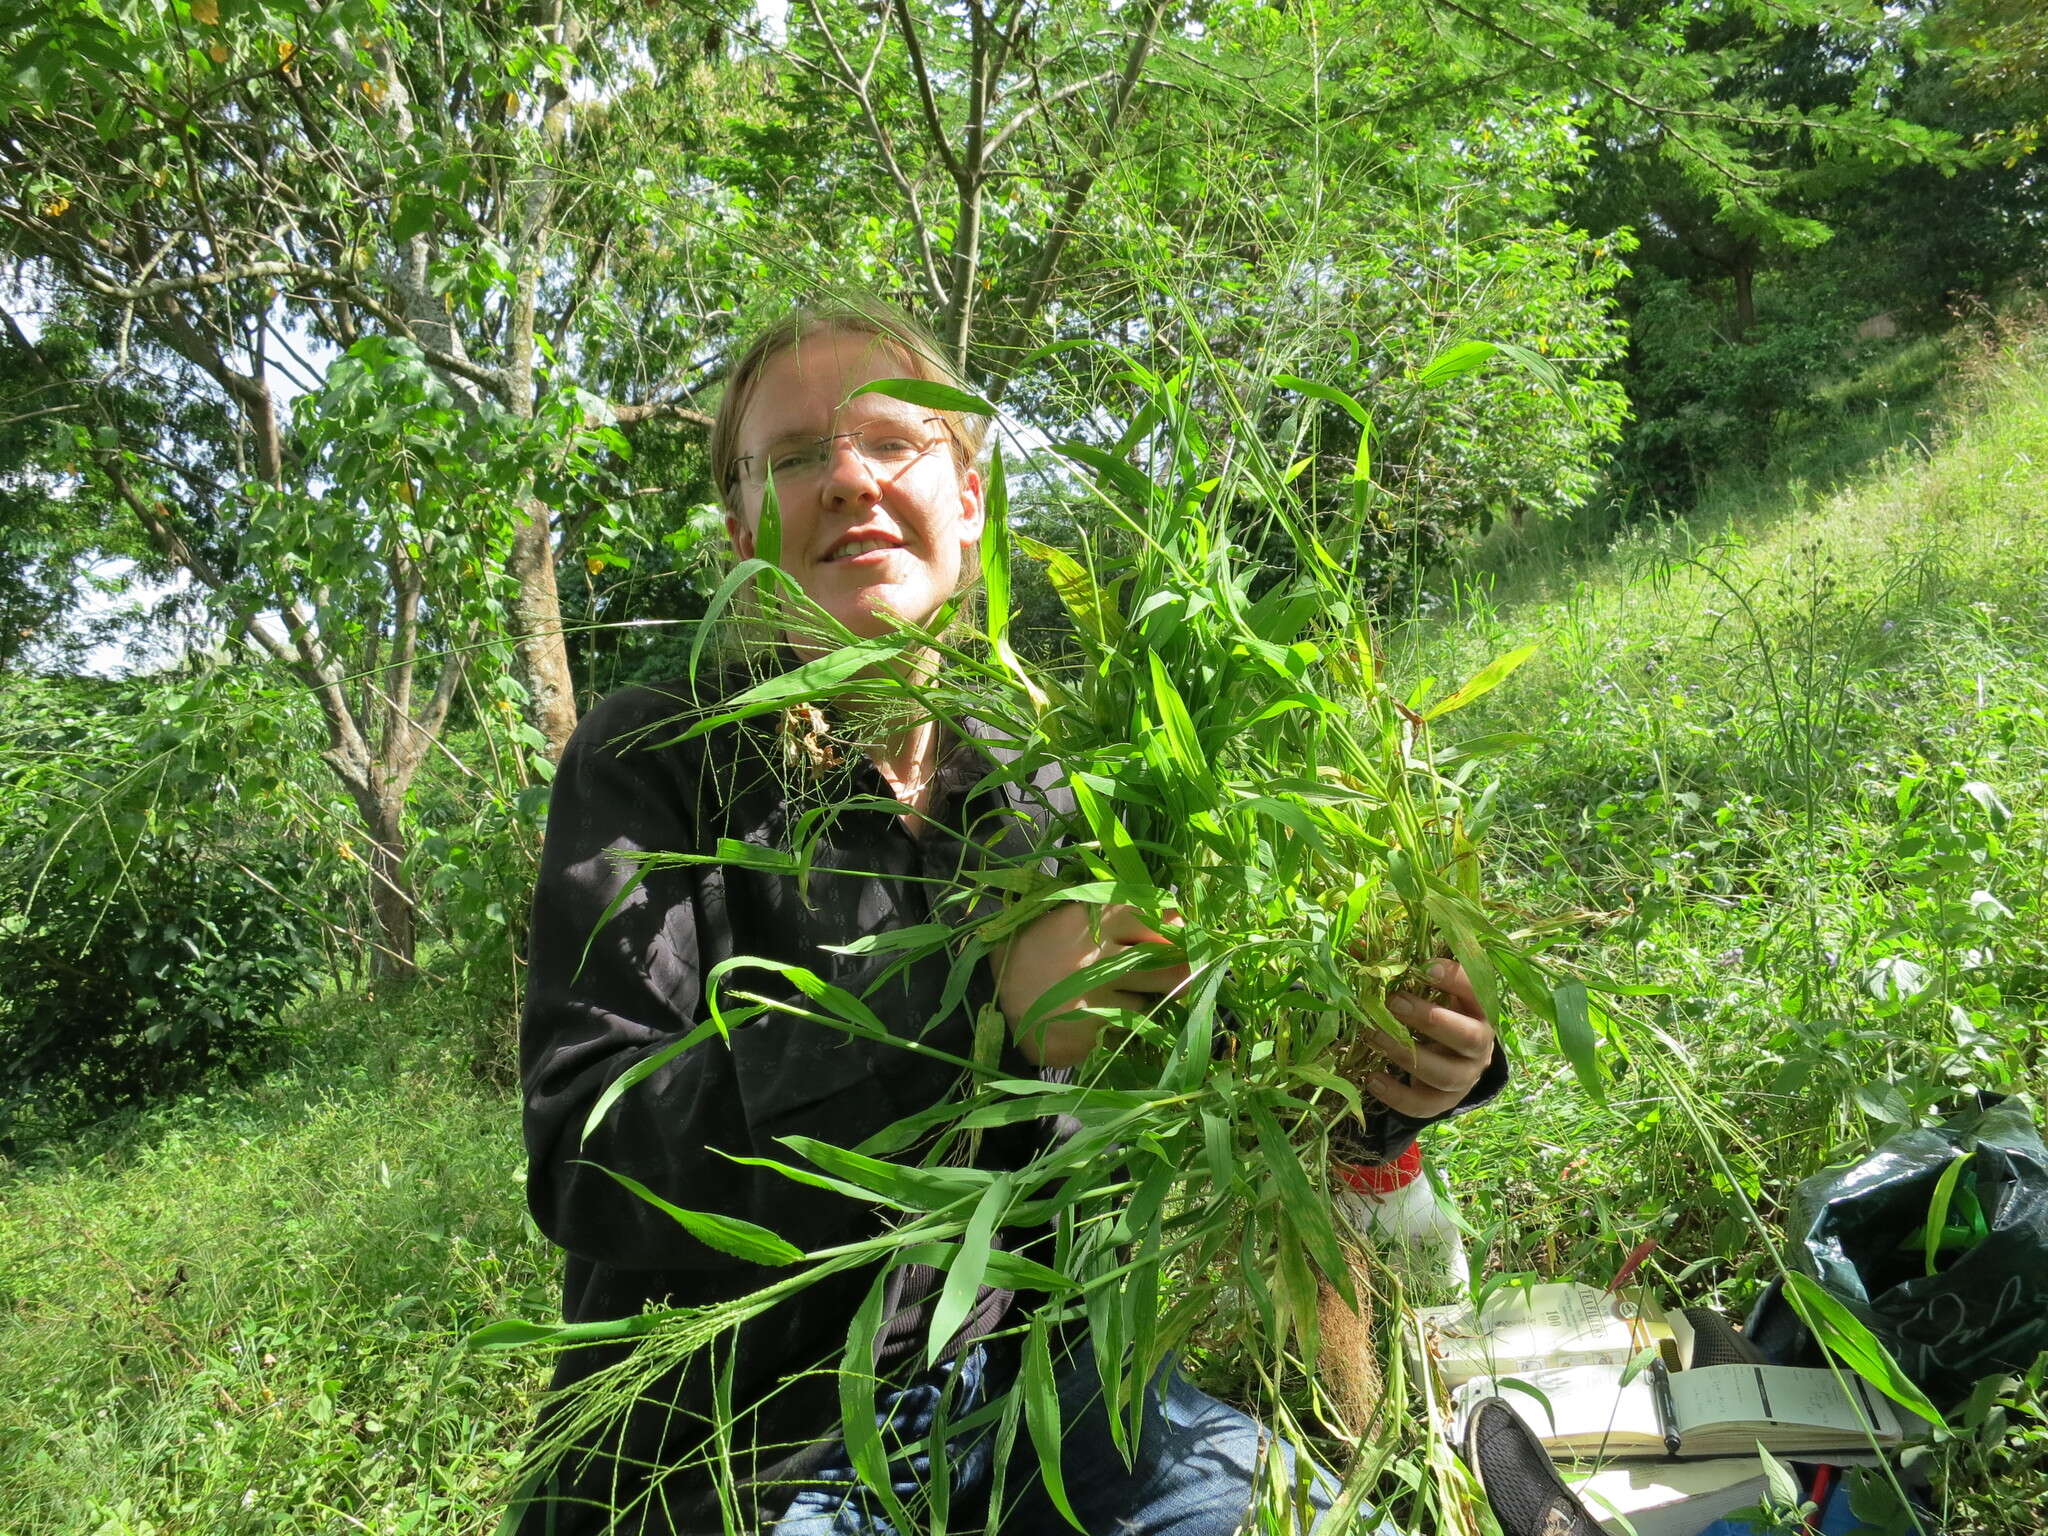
[854, 547]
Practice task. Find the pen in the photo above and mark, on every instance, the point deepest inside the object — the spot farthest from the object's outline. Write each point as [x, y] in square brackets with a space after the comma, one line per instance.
[1667, 1410]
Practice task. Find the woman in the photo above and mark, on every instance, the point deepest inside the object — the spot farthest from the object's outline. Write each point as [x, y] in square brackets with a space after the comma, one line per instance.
[880, 513]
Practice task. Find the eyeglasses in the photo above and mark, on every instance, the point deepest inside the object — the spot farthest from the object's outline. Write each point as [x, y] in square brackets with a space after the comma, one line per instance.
[889, 448]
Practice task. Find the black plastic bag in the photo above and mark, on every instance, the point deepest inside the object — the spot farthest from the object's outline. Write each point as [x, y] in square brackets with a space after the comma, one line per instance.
[1862, 1233]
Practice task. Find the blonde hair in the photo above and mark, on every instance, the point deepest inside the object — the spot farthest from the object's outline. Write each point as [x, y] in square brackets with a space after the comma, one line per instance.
[920, 352]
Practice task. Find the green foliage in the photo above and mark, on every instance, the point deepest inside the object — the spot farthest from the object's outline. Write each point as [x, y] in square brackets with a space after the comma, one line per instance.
[1411, 214]
[473, 865]
[353, 314]
[1667, 793]
[1870, 188]
[1704, 405]
[367, 369]
[1795, 767]
[155, 926]
[1791, 771]
[318, 303]
[1735, 108]
[1992, 1476]
[64, 543]
[241, 1313]
[2001, 51]
[412, 488]
[631, 611]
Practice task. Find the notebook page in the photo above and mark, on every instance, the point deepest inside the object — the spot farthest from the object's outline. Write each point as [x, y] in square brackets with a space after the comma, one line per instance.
[1587, 1401]
[1751, 1394]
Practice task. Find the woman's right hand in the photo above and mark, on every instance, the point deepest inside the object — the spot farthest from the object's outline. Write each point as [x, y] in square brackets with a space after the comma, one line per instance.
[1048, 950]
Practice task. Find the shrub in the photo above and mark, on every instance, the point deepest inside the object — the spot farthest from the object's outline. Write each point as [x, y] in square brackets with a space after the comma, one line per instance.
[153, 928]
[1704, 402]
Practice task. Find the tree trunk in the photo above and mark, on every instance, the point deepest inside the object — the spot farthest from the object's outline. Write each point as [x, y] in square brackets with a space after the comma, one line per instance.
[1745, 296]
[537, 637]
[537, 631]
[392, 904]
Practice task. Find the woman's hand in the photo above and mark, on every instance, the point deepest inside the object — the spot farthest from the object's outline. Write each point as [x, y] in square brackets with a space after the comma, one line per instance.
[1052, 948]
[1448, 1047]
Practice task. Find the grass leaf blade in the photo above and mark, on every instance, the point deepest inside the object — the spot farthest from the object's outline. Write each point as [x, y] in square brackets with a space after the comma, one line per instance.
[1484, 681]
[928, 393]
[1855, 1345]
[727, 1234]
[970, 1264]
[1575, 1036]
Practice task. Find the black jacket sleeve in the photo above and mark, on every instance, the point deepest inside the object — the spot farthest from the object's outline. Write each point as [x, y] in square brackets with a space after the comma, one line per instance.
[616, 973]
[1387, 1133]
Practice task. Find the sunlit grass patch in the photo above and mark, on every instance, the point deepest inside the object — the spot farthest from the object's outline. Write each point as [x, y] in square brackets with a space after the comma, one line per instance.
[242, 1313]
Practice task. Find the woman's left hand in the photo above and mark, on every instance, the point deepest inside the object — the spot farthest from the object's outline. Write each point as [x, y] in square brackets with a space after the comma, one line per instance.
[1448, 1047]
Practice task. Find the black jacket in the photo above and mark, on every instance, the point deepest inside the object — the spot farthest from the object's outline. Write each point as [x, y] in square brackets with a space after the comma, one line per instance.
[604, 993]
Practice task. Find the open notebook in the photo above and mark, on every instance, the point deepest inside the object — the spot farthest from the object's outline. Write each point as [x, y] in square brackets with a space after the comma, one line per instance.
[1589, 1411]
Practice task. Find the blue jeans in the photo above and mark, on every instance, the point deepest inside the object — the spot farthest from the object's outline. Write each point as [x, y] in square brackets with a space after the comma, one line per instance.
[1193, 1475]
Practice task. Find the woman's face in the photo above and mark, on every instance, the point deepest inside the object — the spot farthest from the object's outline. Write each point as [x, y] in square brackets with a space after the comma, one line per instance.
[873, 539]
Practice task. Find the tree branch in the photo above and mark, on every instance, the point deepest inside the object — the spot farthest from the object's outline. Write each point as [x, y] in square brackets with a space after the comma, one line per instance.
[969, 180]
[1006, 44]
[926, 100]
[406, 582]
[630, 416]
[1623, 94]
[1038, 290]
[153, 288]
[858, 85]
[1030, 109]
[428, 730]
[339, 286]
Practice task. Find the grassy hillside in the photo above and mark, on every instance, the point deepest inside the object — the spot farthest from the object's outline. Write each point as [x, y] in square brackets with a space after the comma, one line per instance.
[1792, 765]
[1788, 765]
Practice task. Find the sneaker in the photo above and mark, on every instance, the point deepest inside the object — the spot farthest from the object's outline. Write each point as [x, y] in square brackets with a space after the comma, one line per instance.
[1715, 1341]
[1520, 1481]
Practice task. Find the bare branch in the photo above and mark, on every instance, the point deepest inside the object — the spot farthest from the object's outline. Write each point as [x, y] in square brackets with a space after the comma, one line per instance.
[453, 667]
[48, 410]
[630, 416]
[1039, 289]
[858, 85]
[926, 100]
[340, 286]
[307, 377]
[1030, 109]
[1007, 44]
[406, 583]
[111, 287]
[970, 180]
[346, 750]
[535, 209]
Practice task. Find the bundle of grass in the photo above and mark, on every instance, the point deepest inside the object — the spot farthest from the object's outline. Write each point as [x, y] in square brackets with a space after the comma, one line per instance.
[1241, 772]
